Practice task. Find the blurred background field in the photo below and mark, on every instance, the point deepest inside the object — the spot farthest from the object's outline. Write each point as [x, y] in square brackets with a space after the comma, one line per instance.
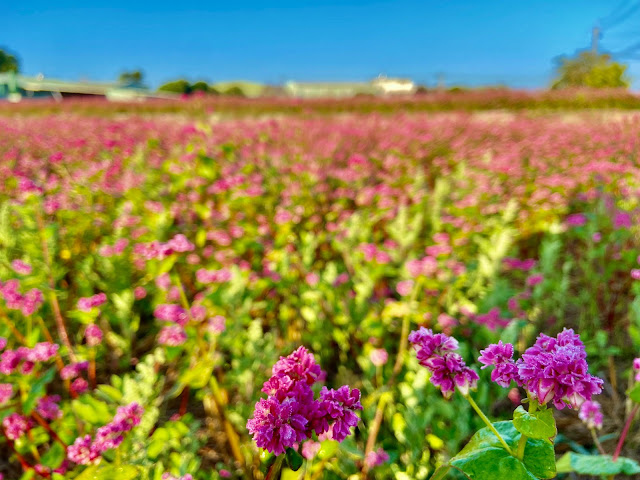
[206, 227]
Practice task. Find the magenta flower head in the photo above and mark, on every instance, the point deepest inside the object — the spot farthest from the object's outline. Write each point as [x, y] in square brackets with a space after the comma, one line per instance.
[591, 414]
[21, 267]
[93, 335]
[553, 370]
[83, 452]
[290, 414]
[6, 392]
[448, 370]
[379, 357]
[277, 426]
[340, 406]
[300, 365]
[500, 356]
[376, 457]
[15, 425]
[636, 368]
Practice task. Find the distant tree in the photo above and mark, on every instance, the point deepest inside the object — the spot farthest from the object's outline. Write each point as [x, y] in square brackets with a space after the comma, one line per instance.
[134, 77]
[235, 91]
[589, 69]
[200, 87]
[8, 62]
[177, 86]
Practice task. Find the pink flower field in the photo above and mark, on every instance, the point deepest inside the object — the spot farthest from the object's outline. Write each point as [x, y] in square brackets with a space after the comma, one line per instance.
[312, 294]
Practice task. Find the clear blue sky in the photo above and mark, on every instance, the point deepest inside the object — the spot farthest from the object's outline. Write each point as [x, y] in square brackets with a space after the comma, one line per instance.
[470, 41]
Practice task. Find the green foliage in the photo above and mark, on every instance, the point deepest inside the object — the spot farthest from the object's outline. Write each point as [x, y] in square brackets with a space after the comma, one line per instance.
[600, 465]
[538, 425]
[588, 69]
[8, 62]
[176, 86]
[484, 457]
[134, 77]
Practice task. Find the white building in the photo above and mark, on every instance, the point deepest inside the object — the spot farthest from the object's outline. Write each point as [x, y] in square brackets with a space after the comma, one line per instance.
[391, 86]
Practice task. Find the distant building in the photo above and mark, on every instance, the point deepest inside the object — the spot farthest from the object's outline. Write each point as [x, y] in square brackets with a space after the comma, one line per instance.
[14, 87]
[378, 86]
[392, 86]
[328, 89]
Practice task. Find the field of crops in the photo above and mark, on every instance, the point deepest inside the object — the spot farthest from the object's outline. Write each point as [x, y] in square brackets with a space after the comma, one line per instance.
[156, 268]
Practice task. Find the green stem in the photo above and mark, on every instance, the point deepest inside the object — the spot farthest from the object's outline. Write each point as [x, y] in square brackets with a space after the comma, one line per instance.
[522, 443]
[488, 423]
[276, 468]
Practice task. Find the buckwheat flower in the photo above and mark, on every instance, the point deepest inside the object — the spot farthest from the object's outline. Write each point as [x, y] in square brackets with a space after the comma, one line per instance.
[596, 237]
[376, 458]
[163, 282]
[93, 335]
[576, 220]
[6, 392]
[108, 437]
[591, 414]
[555, 370]
[635, 273]
[15, 425]
[500, 356]
[428, 344]
[79, 385]
[129, 415]
[21, 267]
[48, 407]
[277, 426]
[379, 357]
[312, 279]
[198, 312]
[31, 301]
[85, 304]
[171, 313]
[449, 371]
[172, 336]
[223, 472]
[9, 361]
[310, 449]
[404, 287]
[3, 343]
[73, 370]
[216, 324]
[622, 220]
[300, 365]
[534, 280]
[339, 407]
[83, 452]
[636, 368]
[139, 293]
[42, 352]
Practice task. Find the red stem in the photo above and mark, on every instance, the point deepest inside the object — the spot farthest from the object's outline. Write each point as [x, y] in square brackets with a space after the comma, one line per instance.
[625, 430]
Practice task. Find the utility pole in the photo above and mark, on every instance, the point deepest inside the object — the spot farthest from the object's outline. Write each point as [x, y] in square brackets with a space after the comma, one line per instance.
[595, 33]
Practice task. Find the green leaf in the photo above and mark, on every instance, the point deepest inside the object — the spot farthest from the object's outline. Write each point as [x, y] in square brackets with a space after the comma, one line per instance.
[36, 390]
[110, 472]
[198, 375]
[539, 424]
[634, 393]
[294, 459]
[91, 410]
[484, 457]
[598, 465]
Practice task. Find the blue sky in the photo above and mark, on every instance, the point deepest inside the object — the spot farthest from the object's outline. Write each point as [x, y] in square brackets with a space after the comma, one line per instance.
[469, 41]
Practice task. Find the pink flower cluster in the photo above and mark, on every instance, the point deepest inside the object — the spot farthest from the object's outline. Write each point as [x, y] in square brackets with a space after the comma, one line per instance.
[448, 370]
[28, 303]
[24, 359]
[161, 250]
[553, 370]
[213, 276]
[290, 414]
[84, 451]
[86, 304]
[116, 249]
